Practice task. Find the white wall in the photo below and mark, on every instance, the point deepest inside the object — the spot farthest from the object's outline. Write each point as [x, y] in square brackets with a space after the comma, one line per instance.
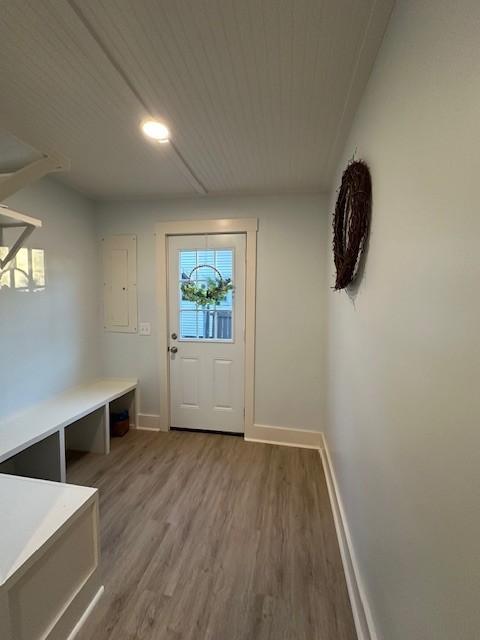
[404, 352]
[290, 305]
[49, 339]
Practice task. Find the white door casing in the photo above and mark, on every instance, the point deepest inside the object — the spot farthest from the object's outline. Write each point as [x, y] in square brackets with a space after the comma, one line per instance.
[163, 230]
[207, 370]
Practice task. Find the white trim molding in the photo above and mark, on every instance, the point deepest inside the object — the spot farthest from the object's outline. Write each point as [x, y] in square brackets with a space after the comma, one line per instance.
[163, 230]
[358, 598]
[149, 422]
[285, 436]
[86, 614]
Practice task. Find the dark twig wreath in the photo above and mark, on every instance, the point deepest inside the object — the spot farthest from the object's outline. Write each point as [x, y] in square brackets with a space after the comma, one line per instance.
[351, 221]
[214, 292]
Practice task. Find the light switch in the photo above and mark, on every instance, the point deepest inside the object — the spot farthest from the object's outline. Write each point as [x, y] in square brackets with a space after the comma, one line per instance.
[145, 328]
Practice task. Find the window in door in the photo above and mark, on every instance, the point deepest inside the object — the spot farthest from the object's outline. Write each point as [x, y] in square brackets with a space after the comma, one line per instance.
[214, 321]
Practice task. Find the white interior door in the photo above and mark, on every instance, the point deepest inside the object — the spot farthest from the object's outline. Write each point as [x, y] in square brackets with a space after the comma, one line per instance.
[207, 344]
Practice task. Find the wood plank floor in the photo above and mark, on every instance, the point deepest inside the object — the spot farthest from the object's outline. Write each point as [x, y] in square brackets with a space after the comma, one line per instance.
[208, 537]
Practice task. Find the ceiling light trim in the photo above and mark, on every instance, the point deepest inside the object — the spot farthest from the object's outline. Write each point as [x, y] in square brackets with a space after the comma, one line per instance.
[156, 130]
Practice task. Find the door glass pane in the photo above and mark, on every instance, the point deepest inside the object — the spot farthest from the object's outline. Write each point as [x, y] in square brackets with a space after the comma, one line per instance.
[206, 294]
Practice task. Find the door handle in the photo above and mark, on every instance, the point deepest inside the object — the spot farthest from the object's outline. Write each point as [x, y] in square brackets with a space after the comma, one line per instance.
[173, 349]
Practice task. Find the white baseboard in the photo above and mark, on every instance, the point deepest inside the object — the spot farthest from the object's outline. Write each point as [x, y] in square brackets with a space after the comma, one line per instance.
[149, 422]
[259, 433]
[361, 610]
[74, 632]
[284, 436]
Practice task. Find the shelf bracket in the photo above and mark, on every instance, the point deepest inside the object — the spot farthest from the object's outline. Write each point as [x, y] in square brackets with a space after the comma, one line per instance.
[17, 246]
[12, 182]
[10, 219]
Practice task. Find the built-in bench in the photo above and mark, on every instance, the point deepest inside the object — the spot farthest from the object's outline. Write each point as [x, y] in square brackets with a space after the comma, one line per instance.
[49, 557]
[33, 442]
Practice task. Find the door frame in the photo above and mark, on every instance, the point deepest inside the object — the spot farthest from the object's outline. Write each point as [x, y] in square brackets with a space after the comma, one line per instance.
[163, 230]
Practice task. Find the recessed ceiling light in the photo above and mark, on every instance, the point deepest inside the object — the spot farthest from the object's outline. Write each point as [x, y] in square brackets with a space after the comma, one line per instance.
[156, 130]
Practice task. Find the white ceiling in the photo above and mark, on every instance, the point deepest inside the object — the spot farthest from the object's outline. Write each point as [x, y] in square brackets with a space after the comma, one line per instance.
[259, 94]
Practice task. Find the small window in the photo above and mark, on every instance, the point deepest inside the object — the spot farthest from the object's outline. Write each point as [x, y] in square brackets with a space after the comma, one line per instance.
[205, 268]
[26, 272]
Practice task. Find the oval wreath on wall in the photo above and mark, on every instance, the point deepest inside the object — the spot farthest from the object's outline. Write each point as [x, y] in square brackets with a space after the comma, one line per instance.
[351, 221]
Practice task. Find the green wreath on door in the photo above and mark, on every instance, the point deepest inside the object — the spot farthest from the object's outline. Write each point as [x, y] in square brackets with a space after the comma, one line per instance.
[212, 293]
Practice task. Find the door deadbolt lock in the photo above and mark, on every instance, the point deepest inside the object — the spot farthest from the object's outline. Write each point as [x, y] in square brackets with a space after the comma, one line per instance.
[173, 349]
[174, 336]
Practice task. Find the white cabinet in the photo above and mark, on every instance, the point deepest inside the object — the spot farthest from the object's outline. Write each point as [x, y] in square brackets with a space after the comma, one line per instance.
[120, 283]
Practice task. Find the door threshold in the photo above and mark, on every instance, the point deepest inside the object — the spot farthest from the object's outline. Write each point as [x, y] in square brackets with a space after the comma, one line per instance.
[214, 431]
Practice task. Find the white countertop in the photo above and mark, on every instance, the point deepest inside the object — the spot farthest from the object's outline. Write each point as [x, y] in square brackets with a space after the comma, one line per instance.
[31, 512]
